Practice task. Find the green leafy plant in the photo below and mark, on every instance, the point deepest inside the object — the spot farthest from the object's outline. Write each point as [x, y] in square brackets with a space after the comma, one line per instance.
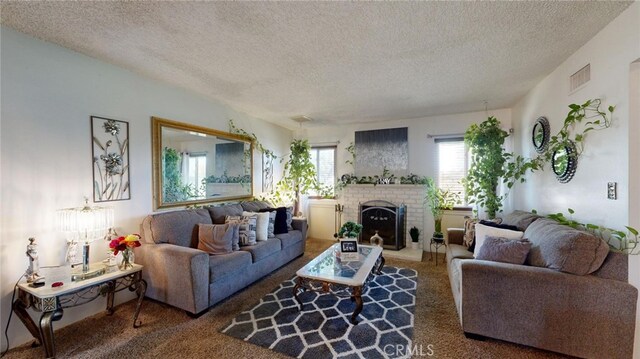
[350, 229]
[414, 232]
[588, 113]
[488, 159]
[626, 242]
[438, 201]
[299, 174]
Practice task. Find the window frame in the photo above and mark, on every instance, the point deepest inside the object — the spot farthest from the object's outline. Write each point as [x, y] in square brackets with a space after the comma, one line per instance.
[467, 161]
[335, 163]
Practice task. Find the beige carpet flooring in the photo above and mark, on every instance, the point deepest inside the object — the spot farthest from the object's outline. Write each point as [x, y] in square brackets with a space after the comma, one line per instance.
[169, 333]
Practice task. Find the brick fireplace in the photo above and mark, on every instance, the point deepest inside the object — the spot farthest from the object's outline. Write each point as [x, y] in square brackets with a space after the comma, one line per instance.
[412, 196]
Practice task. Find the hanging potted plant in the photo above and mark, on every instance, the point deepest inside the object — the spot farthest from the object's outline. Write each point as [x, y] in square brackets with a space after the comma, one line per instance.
[439, 200]
[488, 159]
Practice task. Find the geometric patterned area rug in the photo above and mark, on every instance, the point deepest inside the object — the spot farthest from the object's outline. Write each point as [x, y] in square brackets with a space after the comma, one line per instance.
[323, 329]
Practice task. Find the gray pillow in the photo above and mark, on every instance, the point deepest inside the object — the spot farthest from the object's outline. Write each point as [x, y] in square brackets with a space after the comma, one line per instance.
[499, 249]
[563, 248]
[272, 225]
[218, 238]
[289, 218]
[220, 213]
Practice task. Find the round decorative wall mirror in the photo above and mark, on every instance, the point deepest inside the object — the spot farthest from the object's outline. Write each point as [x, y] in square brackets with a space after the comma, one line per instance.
[541, 134]
[564, 162]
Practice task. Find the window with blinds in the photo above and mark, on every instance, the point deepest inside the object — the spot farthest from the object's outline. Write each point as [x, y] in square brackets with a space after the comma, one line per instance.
[452, 163]
[324, 158]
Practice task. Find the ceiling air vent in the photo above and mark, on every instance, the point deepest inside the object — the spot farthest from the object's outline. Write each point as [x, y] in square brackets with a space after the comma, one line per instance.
[581, 77]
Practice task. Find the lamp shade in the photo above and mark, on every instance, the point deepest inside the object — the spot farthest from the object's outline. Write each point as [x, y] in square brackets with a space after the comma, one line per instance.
[89, 223]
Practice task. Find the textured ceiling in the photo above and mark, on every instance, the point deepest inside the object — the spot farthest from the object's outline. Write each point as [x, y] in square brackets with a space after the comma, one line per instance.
[336, 62]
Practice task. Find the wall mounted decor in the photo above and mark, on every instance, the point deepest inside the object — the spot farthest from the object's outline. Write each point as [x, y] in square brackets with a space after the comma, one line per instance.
[110, 153]
[376, 149]
[541, 134]
[564, 162]
[194, 165]
[267, 172]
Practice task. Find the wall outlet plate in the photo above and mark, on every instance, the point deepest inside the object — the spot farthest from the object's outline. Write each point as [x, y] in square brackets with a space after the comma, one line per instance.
[612, 190]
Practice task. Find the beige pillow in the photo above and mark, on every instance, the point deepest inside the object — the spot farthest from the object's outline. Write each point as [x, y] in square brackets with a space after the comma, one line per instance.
[217, 238]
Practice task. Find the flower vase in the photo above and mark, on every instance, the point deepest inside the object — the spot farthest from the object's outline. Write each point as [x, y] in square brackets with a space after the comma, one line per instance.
[127, 259]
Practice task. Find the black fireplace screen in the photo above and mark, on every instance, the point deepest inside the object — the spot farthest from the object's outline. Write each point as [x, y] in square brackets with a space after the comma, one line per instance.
[387, 219]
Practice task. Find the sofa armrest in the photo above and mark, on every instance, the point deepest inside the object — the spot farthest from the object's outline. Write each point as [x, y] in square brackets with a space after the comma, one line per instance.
[455, 235]
[176, 275]
[548, 309]
[300, 224]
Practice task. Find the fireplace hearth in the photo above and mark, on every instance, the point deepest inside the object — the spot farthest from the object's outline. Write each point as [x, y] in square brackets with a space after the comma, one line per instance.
[385, 217]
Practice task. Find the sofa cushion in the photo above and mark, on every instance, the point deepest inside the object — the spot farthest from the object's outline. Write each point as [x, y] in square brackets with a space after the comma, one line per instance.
[220, 213]
[484, 231]
[218, 239]
[563, 248]
[226, 264]
[290, 238]
[520, 219]
[254, 206]
[263, 249]
[504, 250]
[178, 227]
[289, 218]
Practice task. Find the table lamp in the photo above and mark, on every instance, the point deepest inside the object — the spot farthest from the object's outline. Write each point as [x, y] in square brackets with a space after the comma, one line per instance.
[84, 224]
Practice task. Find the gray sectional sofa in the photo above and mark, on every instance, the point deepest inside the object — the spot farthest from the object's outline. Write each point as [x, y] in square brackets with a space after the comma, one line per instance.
[589, 316]
[179, 274]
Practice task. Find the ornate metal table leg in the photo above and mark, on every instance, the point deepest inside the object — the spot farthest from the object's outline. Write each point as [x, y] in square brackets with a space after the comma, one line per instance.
[110, 295]
[46, 331]
[20, 309]
[357, 296]
[380, 265]
[299, 284]
[141, 289]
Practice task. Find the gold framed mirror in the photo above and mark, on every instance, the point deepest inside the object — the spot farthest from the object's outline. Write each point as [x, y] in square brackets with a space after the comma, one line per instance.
[194, 165]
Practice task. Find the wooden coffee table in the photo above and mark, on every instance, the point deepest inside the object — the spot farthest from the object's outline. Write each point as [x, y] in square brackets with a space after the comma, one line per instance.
[327, 273]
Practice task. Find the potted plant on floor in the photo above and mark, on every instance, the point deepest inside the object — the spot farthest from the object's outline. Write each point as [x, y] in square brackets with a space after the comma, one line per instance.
[414, 232]
[439, 200]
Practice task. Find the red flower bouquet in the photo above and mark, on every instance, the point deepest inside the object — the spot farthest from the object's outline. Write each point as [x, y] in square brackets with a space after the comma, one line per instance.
[125, 245]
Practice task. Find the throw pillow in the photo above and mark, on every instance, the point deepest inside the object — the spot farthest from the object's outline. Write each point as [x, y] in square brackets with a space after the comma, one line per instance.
[247, 231]
[272, 224]
[289, 218]
[468, 239]
[262, 225]
[280, 225]
[496, 225]
[217, 238]
[499, 249]
[483, 231]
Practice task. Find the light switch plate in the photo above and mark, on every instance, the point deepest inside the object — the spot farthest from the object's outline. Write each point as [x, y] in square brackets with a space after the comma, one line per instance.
[612, 190]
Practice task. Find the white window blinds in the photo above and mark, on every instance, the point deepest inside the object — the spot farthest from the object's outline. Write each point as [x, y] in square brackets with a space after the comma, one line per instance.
[451, 163]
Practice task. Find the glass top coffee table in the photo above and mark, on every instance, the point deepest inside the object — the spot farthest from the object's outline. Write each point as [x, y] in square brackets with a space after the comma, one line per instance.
[327, 273]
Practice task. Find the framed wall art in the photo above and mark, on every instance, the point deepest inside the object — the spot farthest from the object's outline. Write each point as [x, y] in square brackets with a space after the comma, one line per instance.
[110, 156]
[267, 173]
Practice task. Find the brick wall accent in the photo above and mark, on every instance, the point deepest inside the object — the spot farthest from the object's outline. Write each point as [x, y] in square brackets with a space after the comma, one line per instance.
[411, 195]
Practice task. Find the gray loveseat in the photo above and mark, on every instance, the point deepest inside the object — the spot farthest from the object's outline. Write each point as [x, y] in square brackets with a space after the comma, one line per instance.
[589, 316]
[179, 274]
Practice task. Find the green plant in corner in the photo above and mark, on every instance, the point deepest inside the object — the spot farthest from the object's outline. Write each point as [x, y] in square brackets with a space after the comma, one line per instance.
[439, 200]
[350, 229]
[299, 172]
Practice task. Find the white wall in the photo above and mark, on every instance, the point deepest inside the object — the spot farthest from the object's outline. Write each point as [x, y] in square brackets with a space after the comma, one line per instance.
[421, 147]
[48, 94]
[608, 153]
